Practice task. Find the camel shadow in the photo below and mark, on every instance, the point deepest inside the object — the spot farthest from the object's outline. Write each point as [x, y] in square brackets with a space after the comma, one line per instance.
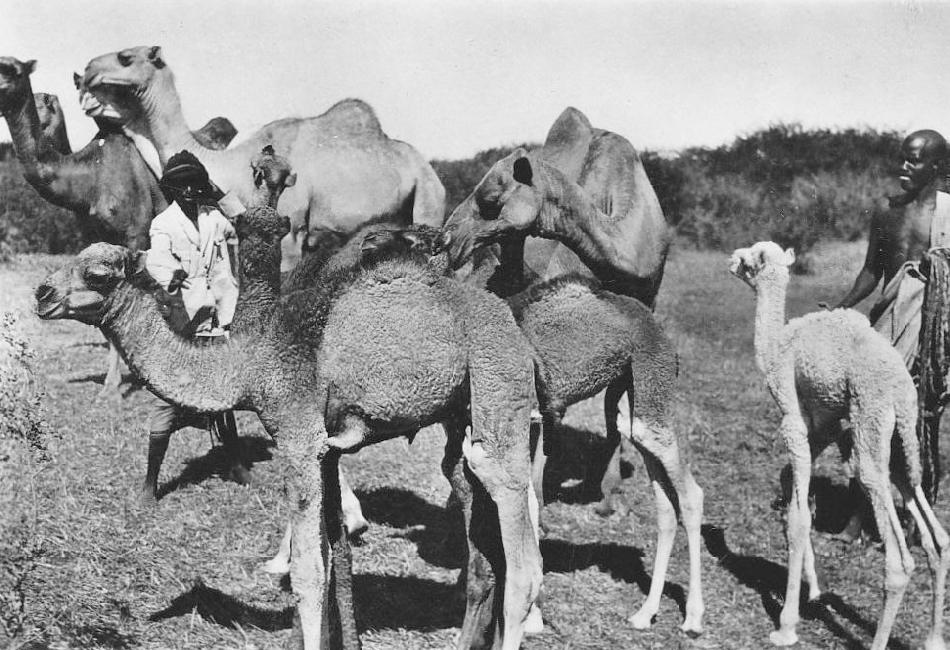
[768, 579]
[576, 465]
[437, 531]
[216, 463]
[128, 382]
[381, 602]
[624, 563]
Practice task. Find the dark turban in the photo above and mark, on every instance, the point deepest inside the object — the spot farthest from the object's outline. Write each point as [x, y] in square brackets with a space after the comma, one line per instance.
[185, 169]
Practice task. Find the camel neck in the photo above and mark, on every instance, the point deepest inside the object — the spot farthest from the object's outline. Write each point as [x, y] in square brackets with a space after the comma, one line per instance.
[163, 122]
[770, 290]
[205, 377]
[59, 179]
[616, 249]
[259, 279]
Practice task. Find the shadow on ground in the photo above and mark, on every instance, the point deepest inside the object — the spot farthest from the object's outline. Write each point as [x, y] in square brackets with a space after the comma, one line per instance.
[215, 463]
[768, 579]
[382, 602]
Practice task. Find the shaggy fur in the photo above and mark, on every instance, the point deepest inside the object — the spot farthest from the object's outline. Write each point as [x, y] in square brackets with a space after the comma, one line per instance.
[295, 368]
[821, 368]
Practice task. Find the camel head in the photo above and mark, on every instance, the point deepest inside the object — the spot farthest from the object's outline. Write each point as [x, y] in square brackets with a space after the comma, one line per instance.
[504, 204]
[14, 83]
[417, 242]
[80, 289]
[748, 264]
[49, 110]
[119, 80]
[272, 174]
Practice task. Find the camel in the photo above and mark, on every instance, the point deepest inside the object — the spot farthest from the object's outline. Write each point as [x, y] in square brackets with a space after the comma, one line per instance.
[586, 339]
[52, 121]
[821, 368]
[349, 170]
[106, 184]
[580, 204]
[325, 378]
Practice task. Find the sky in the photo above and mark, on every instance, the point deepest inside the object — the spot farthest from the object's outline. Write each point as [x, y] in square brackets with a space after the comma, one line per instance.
[453, 77]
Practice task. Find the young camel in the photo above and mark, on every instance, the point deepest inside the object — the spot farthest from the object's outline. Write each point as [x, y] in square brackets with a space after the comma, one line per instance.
[373, 354]
[821, 368]
[612, 224]
[584, 340]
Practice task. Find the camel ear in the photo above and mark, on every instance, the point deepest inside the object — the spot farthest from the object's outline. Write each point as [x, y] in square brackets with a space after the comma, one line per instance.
[268, 150]
[29, 66]
[291, 180]
[523, 172]
[137, 265]
[789, 256]
[155, 56]
[77, 80]
[258, 176]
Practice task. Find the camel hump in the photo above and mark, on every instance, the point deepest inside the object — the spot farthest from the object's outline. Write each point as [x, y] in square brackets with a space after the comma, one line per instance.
[353, 116]
[567, 142]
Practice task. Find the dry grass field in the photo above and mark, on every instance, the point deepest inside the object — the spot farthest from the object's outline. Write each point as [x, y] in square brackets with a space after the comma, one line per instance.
[110, 573]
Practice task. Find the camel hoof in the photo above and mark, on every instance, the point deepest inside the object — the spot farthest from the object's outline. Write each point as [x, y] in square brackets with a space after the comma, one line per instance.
[147, 496]
[277, 566]
[604, 509]
[783, 637]
[355, 528]
[642, 620]
[534, 624]
[691, 629]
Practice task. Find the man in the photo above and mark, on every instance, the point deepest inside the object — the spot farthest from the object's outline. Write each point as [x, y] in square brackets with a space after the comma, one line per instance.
[192, 257]
[917, 221]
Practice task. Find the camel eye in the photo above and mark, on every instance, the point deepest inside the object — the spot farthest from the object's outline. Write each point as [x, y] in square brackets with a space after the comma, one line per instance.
[125, 59]
[98, 274]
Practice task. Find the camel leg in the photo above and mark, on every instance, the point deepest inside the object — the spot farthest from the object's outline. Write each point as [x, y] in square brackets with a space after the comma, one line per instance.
[673, 485]
[356, 523]
[226, 428]
[478, 577]
[795, 434]
[611, 480]
[522, 578]
[280, 563]
[936, 543]
[157, 446]
[310, 564]
[873, 457]
[110, 385]
[342, 615]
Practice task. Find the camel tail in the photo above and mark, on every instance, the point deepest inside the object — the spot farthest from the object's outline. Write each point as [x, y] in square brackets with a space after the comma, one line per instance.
[905, 428]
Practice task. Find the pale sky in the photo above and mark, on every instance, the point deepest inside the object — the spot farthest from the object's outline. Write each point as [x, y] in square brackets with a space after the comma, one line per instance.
[453, 78]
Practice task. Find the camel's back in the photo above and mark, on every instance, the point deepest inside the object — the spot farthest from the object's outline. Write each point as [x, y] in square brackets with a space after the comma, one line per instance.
[839, 355]
[584, 337]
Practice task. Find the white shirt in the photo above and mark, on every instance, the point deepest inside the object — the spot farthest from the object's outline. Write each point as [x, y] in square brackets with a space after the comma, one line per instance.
[203, 254]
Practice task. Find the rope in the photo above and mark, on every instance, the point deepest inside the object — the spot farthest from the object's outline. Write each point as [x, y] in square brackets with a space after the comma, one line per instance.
[933, 363]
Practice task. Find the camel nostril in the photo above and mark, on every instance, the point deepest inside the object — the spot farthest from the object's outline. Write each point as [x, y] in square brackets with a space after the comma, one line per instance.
[44, 292]
[443, 241]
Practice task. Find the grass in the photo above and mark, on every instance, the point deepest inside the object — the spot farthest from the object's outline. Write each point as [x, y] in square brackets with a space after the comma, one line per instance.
[113, 574]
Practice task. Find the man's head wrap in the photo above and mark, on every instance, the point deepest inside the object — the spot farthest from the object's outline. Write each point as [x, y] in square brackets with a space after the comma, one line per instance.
[184, 169]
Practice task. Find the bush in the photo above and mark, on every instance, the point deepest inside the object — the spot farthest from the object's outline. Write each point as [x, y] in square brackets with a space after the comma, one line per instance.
[28, 223]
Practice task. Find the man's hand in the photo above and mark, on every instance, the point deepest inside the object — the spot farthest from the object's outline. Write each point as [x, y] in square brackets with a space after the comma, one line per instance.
[179, 280]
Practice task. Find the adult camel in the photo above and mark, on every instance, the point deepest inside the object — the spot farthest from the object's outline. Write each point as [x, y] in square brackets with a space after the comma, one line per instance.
[583, 204]
[106, 184]
[349, 171]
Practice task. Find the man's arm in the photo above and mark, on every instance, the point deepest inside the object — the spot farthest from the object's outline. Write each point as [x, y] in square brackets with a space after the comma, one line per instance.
[873, 269]
[161, 261]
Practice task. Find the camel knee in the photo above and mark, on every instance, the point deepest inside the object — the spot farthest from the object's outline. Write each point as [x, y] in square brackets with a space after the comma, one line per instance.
[898, 575]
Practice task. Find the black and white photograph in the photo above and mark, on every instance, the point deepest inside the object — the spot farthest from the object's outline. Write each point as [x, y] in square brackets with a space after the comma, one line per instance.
[474, 324]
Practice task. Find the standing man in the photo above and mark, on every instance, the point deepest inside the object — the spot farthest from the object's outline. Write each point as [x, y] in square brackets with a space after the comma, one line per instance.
[192, 257]
[917, 221]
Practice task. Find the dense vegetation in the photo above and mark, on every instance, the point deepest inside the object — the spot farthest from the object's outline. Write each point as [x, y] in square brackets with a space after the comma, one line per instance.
[785, 183]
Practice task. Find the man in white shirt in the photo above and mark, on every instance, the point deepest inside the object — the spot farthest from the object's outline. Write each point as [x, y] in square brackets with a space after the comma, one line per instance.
[193, 258]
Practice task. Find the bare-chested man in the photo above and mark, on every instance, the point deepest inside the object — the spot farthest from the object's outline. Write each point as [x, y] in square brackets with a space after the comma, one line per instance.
[917, 221]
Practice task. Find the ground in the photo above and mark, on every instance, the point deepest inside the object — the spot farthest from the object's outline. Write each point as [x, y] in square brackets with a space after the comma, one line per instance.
[114, 574]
